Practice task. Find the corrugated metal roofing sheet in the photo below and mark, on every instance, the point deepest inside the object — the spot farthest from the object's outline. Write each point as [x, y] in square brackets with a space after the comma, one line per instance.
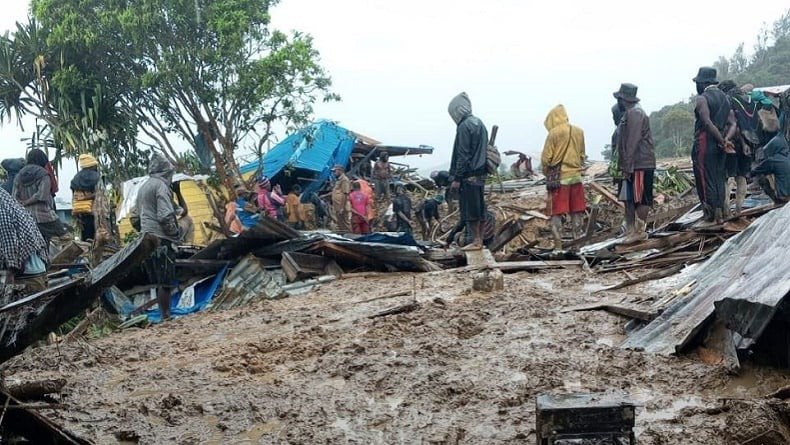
[316, 148]
[749, 273]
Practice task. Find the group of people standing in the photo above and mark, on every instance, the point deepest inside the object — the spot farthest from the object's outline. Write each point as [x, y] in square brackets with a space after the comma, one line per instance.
[29, 220]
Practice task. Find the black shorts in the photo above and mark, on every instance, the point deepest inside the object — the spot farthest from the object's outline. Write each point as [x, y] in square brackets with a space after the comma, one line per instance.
[738, 164]
[160, 267]
[472, 202]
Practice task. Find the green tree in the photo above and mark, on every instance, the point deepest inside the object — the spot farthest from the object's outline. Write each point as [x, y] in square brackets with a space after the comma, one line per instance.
[678, 125]
[208, 72]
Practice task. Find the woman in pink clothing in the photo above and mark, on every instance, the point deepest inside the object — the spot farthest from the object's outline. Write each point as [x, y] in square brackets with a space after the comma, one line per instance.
[264, 203]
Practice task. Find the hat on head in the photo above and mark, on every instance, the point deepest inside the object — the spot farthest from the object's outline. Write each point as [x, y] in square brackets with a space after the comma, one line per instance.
[439, 198]
[627, 92]
[728, 85]
[706, 74]
[263, 181]
[338, 167]
[88, 161]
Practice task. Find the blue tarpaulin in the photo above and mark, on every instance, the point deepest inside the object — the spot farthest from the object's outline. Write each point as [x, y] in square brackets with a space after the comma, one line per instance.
[315, 148]
[192, 299]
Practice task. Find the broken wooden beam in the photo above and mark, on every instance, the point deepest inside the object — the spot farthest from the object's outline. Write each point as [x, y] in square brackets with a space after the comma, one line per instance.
[625, 309]
[606, 194]
[656, 275]
[33, 426]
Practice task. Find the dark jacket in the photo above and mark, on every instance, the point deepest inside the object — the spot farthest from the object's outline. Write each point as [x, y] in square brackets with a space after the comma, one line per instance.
[471, 141]
[12, 167]
[85, 180]
[777, 162]
[635, 145]
[32, 189]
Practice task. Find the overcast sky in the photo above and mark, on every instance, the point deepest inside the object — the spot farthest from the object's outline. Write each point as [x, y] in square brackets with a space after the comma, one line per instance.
[398, 64]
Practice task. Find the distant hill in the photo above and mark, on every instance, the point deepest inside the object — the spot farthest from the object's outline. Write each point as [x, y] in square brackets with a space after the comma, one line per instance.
[768, 65]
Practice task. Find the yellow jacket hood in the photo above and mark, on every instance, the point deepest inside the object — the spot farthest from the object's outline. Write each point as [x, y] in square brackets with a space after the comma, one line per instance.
[557, 116]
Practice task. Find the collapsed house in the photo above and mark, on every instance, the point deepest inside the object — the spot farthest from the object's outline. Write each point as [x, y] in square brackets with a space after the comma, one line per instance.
[306, 157]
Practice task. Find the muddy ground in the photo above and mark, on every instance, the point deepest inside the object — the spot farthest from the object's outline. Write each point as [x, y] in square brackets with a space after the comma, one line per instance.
[463, 369]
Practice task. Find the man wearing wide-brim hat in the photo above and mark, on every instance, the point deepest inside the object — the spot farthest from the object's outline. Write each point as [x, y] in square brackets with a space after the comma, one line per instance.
[636, 152]
[340, 203]
[714, 129]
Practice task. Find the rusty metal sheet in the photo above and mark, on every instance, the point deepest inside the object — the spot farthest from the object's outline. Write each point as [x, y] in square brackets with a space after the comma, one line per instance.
[743, 283]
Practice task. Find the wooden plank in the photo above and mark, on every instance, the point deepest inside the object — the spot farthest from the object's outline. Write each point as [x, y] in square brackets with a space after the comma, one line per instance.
[625, 309]
[647, 277]
[606, 194]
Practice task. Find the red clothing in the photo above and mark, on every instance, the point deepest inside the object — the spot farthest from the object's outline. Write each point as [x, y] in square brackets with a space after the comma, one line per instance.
[359, 225]
[359, 202]
[265, 204]
[567, 199]
[53, 180]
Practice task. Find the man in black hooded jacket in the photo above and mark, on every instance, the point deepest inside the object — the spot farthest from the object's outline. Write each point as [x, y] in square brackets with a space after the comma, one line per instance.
[468, 166]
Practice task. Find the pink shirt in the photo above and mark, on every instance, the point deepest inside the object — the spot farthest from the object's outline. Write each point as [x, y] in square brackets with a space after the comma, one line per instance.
[359, 202]
[266, 205]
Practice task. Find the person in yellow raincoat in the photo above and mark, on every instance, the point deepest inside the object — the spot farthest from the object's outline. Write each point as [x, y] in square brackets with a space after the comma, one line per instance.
[564, 148]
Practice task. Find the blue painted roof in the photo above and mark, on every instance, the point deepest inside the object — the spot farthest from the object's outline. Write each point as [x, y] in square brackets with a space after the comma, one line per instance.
[316, 147]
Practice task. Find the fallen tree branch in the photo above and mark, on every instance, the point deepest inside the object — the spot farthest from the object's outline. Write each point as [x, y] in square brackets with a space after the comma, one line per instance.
[410, 307]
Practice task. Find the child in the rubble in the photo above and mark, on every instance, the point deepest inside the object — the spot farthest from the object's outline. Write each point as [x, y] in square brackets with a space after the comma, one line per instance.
[360, 204]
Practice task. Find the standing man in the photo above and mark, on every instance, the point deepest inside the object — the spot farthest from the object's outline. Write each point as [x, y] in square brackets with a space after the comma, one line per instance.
[157, 216]
[637, 159]
[33, 189]
[83, 189]
[564, 151]
[739, 164]
[468, 166]
[340, 204]
[714, 129]
[401, 209]
[382, 176]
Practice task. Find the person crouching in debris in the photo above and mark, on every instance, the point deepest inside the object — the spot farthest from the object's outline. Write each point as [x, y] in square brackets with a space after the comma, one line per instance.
[442, 180]
[562, 162]
[774, 169]
[157, 216]
[360, 203]
[294, 210]
[468, 166]
[263, 188]
[427, 213]
[33, 189]
[637, 159]
[382, 176]
[23, 251]
[83, 189]
[340, 204]
[522, 168]
[401, 210]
